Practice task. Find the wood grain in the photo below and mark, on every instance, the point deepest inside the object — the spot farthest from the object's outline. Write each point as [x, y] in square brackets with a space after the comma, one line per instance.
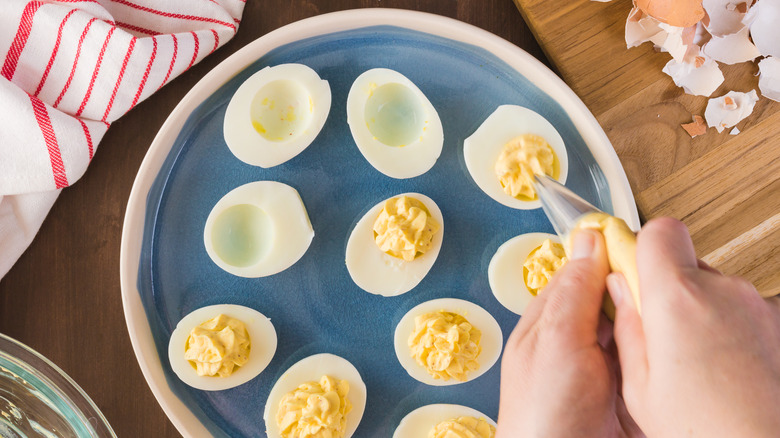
[62, 297]
[725, 188]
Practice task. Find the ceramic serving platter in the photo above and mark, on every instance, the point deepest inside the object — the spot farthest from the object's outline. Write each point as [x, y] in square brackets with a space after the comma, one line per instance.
[315, 307]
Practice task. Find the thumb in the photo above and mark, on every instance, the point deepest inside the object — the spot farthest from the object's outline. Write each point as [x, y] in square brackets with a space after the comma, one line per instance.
[629, 336]
[575, 293]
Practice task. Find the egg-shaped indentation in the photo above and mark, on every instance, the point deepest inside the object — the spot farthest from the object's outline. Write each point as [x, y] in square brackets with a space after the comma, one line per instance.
[482, 149]
[393, 124]
[312, 369]
[258, 229]
[276, 114]
[262, 338]
[419, 422]
[491, 341]
[380, 273]
[506, 272]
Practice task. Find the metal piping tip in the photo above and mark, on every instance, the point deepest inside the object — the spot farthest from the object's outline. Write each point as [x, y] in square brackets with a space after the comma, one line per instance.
[562, 206]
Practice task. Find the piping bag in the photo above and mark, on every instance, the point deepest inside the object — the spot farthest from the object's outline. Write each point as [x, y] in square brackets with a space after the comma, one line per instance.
[568, 212]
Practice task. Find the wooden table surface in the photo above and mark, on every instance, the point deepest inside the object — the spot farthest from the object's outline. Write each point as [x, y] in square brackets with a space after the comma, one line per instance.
[62, 297]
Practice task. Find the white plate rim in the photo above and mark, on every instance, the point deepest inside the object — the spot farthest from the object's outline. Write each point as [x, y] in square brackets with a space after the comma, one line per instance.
[185, 421]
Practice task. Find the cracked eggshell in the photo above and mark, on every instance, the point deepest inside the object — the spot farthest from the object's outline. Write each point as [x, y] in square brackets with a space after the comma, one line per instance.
[640, 28]
[732, 49]
[724, 17]
[728, 110]
[698, 81]
[681, 13]
[769, 81]
[763, 19]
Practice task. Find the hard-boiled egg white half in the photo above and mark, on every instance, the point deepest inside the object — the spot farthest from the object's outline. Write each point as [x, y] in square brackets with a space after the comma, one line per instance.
[505, 272]
[419, 422]
[482, 149]
[492, 339]
[311, 369]
[258, 229]
[393, 124]
[382, 274]
[276, 114]
[262, 338]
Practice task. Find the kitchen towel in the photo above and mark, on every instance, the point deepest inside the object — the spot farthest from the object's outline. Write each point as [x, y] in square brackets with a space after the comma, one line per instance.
[69, 69]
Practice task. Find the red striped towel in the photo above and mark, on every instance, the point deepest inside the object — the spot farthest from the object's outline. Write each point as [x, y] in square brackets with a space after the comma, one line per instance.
[71, 67]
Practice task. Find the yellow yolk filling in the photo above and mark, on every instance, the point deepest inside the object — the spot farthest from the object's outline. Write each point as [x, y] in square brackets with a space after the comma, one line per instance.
[519, 160]
[218, 346]
[315, 410]
[405, 228]
[463, 427]
[446, 344]
[541, 264]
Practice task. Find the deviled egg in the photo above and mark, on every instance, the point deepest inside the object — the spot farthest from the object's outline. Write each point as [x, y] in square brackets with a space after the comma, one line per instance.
[258, 229]
[512, 282]
[221, 346]
[393, 124]
[276, 114]
[510, 146]
[438, 419]
[321, 392]
[431, 354]
[394, 245]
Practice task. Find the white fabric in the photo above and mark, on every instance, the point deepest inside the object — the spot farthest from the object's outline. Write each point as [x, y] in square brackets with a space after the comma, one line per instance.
[68, 69]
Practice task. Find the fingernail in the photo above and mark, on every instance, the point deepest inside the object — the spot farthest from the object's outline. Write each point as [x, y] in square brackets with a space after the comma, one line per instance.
[583, 245]
[616, 284]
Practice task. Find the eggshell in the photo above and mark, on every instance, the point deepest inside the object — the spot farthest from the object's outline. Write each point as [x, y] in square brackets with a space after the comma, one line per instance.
[769, 81]
[763, 19]
[724, 17]
[728, 110]
[491, 341]
[699, 81]
[732, 49]
[681, 13]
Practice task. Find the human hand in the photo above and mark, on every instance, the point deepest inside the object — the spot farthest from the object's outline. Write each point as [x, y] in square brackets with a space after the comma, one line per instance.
[558, 373]
[704, 358]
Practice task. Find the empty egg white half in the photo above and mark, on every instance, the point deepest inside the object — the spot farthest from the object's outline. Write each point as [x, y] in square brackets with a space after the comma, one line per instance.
[482, 149]
[311, 369]
[492, 339]
[258, 229]
[419, 422]
[393, 124]
[276, 114]
[262, 338]
[505, 272]
[382, 274]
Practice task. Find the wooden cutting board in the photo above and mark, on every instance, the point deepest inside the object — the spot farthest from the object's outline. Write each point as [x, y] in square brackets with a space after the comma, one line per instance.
[725, 188]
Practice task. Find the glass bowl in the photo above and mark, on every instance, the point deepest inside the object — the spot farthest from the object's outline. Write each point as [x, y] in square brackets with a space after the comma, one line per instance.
[37, 399]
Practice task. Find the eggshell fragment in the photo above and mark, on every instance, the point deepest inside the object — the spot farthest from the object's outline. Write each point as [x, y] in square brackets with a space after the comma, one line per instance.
[700, 78]
[640, 28]
[763, 19]
[728, 110]
[769, 81]
[724, 17]
[734, 131]
[681, 13]
[697, 127]
[732, 49]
